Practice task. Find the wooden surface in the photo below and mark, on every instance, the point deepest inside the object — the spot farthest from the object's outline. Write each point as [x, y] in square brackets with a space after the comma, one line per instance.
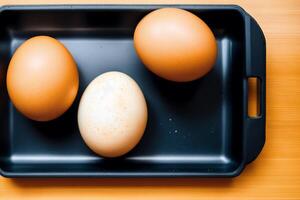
[276, 172]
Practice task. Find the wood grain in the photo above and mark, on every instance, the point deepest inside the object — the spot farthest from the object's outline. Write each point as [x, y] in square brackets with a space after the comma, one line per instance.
[276, 172]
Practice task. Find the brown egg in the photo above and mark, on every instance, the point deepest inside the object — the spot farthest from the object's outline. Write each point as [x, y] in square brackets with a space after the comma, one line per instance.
[175, 44]
[42, 78]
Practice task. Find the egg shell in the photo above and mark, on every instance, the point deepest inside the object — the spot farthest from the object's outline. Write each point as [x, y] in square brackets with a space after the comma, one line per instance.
[42, 78]
[175, 44]
[112, 114]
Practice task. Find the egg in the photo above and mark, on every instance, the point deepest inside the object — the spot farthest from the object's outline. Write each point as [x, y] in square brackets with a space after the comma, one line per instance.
[42, 78]
[175, 44]
[112, 114]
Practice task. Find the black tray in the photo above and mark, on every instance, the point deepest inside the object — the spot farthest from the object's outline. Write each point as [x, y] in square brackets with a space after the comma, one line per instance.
[194, 129]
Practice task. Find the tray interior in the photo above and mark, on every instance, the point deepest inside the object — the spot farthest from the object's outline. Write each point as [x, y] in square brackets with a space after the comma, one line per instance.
[193, 128]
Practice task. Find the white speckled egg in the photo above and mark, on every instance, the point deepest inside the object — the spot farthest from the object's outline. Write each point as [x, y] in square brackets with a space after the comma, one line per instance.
[112, 114]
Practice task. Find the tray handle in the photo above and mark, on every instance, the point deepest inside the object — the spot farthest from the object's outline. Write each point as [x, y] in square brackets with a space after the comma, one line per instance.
[255, 67]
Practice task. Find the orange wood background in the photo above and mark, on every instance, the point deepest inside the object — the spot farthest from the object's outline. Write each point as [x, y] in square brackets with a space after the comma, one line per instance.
[276, 172]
